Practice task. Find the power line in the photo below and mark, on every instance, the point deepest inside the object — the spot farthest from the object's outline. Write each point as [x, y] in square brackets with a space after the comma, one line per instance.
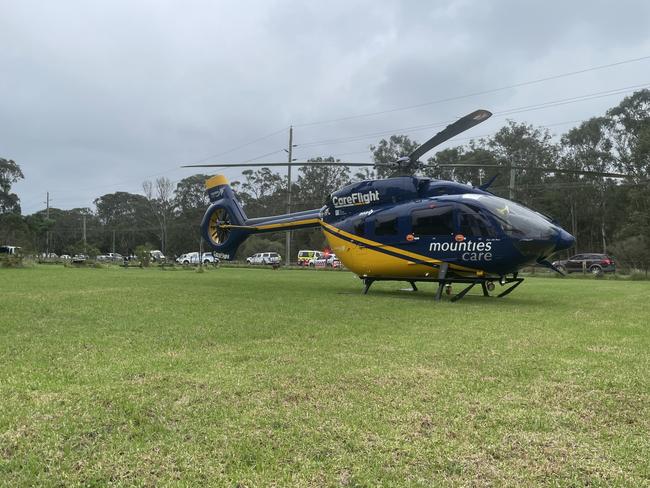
[579, 98]
[263, 155]
[474, 94]
[240, 146]
[456, 139]
[442, 100]
[124, 182]
[512, 111]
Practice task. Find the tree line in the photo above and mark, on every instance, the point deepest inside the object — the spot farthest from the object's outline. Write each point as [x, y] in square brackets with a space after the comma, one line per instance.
[604, 214]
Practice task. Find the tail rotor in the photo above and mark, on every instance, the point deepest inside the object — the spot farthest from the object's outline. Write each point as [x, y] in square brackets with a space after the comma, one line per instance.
[218, 229]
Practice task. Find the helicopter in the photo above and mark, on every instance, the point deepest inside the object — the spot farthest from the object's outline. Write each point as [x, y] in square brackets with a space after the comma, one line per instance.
[407, 228]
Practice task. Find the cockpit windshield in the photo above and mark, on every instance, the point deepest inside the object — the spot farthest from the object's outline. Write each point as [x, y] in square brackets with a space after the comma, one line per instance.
[515, 219]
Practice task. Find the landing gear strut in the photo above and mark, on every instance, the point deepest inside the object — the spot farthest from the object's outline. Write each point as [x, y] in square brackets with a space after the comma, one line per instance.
[445, 283]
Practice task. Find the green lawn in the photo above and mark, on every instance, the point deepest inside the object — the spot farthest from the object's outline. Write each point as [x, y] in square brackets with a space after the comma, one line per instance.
[254, 377]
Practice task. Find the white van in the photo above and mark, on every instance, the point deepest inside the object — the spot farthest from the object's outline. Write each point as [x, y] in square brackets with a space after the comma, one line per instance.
[10, 250]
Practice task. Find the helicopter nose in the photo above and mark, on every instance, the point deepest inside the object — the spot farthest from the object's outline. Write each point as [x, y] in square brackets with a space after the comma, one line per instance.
[564, 241]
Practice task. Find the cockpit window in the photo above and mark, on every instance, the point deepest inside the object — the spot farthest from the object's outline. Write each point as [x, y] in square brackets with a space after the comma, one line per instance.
[517, 220]
[436, 221]
[472, 224]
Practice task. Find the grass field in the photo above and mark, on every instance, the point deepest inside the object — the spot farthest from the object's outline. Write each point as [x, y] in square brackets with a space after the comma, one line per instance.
[254, 377]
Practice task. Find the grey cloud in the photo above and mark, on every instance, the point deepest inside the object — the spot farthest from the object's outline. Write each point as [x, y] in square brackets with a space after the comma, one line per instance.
[97, 96]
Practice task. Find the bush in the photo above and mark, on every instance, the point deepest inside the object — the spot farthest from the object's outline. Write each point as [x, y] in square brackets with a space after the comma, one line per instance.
[638, 276]
[11, 261]
[142, 252]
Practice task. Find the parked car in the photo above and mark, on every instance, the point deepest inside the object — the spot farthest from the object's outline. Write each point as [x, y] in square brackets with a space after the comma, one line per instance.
[193, 258]
[334, 261]
[156, 256]
[264, 258]
[65, 257]
[113, 257]
[593, 263]
[308, 257]
[79, 258]
[326, 260]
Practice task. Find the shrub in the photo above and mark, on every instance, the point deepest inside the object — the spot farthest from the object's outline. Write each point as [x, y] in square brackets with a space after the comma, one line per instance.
[638, 276]
[142, 252]
[11, 261]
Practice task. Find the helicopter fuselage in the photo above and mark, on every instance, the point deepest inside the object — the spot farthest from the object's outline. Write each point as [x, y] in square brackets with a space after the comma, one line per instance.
[408, 227]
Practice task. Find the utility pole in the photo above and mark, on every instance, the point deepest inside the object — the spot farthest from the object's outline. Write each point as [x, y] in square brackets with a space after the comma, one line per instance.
[113, 241]
[290, 152]
[512, 184]
[47, 232]
[84, 233]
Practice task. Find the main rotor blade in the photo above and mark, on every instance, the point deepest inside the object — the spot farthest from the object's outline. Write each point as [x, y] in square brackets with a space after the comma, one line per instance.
[461, 125]
[253, 165]
[536, 168]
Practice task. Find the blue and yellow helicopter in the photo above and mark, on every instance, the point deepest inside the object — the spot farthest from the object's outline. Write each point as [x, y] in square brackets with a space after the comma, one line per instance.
[407, 228]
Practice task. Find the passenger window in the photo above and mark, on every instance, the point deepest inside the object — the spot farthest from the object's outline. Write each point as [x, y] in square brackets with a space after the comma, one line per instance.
[386, 225]
[434, 221]
[359, 227]
[474, 225]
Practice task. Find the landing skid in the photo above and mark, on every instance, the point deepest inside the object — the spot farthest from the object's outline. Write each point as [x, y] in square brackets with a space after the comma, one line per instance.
[445, 283]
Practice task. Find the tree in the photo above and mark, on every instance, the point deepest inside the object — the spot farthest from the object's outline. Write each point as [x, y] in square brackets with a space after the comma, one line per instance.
[629, 125]
[38, 224]
[588, 147]
[263, 192]
[161, 201]
[388, 151]
[126, 214]
[524, 145]
[633, 252]
[315, 183]
[190, 194]
[190, 202]
[14, 230]
[10, 173]
[473, 154]
[68, 227]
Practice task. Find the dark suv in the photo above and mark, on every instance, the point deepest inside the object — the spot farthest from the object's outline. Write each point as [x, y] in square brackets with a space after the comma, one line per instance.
[594, 263]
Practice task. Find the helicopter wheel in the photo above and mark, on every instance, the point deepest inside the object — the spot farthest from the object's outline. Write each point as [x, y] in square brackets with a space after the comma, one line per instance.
[448, 288]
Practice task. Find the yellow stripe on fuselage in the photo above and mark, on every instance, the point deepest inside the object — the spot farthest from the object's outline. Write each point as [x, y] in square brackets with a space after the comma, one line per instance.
[279, 226]
[363, 260]
[370, 262]
[289, 225]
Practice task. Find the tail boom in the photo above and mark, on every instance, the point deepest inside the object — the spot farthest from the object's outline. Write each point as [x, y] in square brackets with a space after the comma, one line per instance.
[225, 225]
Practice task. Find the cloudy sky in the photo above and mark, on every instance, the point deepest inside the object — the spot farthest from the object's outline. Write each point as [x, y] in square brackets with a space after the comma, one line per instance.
[98, 96]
